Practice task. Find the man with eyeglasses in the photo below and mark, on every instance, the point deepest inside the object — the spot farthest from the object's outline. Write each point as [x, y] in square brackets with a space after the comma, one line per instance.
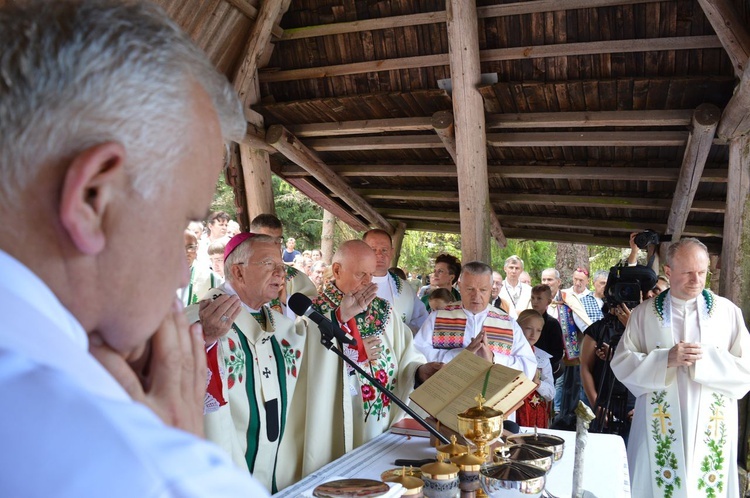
[296, 281]
[254, 355]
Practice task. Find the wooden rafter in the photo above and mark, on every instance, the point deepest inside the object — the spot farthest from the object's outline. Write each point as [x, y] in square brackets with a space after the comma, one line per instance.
[321, 198]
[731, 31]
[594, 119]
[601, 201]
[511, 9]
[518, 221]
[249, 10]
[442, 123]
[601, 172]
[735, 120]
[508, 139]
[699, 144]
[499, 54]
[290, 146]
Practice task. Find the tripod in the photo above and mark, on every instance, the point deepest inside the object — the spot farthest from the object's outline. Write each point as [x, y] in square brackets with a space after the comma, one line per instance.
[611, 407]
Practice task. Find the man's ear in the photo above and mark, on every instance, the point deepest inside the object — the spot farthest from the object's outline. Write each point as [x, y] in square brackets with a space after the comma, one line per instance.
[91, 181]
[237, 273]
[667, 271]
[335, 270]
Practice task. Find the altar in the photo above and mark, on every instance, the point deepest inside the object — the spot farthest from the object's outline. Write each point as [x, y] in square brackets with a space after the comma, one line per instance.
[605, 472]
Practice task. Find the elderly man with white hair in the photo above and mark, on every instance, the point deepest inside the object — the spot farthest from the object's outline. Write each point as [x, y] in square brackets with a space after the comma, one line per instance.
[113, 135]
[254, 354]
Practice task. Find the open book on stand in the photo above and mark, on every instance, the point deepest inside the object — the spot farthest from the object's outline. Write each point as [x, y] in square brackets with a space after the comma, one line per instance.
[454, 388]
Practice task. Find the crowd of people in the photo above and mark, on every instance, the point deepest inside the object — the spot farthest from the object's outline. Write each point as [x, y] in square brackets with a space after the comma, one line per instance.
[114, 133]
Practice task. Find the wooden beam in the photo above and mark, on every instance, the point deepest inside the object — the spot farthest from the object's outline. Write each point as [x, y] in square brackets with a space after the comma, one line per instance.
[257, 176]
[511, 9]
[735, 267]
[514, 221]
[470, 153]
[246, 75]
[251, 12]
[602, 172]
[509, 139]
[677, 117]
[361, 127]
[398, 240]
[496, 229]
[612, 202]
[533, 120]
[442, 123]
[735, 120]
[589, 138]
[290, 146]
[500, 54]
[322, 199]
[730, 29]
[705, 119]
[257, 141]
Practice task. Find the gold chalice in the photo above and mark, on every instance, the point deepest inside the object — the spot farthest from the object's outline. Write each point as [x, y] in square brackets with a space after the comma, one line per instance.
[481, 426]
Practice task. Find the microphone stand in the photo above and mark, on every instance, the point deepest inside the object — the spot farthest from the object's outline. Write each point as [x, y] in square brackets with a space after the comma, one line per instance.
[326, 339]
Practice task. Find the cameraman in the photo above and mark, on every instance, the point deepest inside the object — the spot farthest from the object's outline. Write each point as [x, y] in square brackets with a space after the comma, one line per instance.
[599, 343]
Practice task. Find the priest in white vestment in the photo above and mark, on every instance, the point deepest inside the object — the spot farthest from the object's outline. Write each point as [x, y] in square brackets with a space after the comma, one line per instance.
[685, 355]
[475, 325]
[391, 287]
[254, 364]
[338, 409]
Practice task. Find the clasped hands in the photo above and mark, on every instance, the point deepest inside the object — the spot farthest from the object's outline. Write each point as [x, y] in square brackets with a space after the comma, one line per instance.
[168, 374]
[684, 354]
[480, 347]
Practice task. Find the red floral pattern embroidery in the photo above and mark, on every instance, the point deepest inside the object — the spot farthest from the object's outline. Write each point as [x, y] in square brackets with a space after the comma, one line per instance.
[291, 356]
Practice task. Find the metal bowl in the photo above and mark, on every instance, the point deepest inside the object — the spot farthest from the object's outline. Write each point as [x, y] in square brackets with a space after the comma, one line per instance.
[549, 442]
[528, 454]
[512, 479]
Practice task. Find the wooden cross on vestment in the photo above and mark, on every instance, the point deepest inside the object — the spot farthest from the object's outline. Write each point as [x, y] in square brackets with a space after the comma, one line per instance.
[663, 417]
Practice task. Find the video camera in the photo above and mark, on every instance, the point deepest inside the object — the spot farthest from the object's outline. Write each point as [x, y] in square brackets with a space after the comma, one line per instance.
[626, 284]
[649, 237]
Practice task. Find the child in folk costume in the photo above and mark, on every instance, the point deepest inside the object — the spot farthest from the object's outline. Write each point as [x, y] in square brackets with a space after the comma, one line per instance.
[535, 410]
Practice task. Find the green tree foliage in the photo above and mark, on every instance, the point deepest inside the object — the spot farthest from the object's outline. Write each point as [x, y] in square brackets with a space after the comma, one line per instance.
[301, 217]
[224, 198]
[536, 256]
[419, 249]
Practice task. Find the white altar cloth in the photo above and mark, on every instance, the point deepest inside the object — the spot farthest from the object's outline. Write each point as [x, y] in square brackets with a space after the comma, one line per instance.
[605, 472]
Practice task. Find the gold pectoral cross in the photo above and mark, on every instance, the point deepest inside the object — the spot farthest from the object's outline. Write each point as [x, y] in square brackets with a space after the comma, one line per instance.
[663, 417]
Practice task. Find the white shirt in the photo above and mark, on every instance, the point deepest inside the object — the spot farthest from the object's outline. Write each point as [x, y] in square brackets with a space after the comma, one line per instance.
[415, 316]
[521, 357]
[68, 429]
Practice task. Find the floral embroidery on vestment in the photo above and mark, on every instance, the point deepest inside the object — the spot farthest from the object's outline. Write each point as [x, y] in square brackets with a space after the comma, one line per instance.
[291, 272]
[712, 465]
[371, 322]
[234, 363]
[663, 306]
[291, 356]
[662, 432]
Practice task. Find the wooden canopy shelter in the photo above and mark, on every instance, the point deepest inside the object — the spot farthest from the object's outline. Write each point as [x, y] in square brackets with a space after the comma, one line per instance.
[561, 120]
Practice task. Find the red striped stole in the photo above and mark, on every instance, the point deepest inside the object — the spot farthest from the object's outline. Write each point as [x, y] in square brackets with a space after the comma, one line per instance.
[450, 327]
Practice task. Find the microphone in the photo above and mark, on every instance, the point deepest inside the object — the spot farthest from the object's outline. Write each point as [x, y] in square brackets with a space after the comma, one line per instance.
[302, 306]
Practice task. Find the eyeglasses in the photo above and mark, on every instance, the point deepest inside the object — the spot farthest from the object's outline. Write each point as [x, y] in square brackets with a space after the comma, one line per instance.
[191, 248]
[270, 266]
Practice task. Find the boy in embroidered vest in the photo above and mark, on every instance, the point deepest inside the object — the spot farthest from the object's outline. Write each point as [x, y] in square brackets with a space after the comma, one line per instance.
[391, 287]
[685, 355]
[535, 409]
[253, 366]
[476, 326]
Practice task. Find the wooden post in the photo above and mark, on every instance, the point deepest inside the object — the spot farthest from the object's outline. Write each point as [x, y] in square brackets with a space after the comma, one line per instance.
[326, 237]
[735, 120]
[297, 152]
[471, 146]
[398, 240]
[705, 118]
[735, 252]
